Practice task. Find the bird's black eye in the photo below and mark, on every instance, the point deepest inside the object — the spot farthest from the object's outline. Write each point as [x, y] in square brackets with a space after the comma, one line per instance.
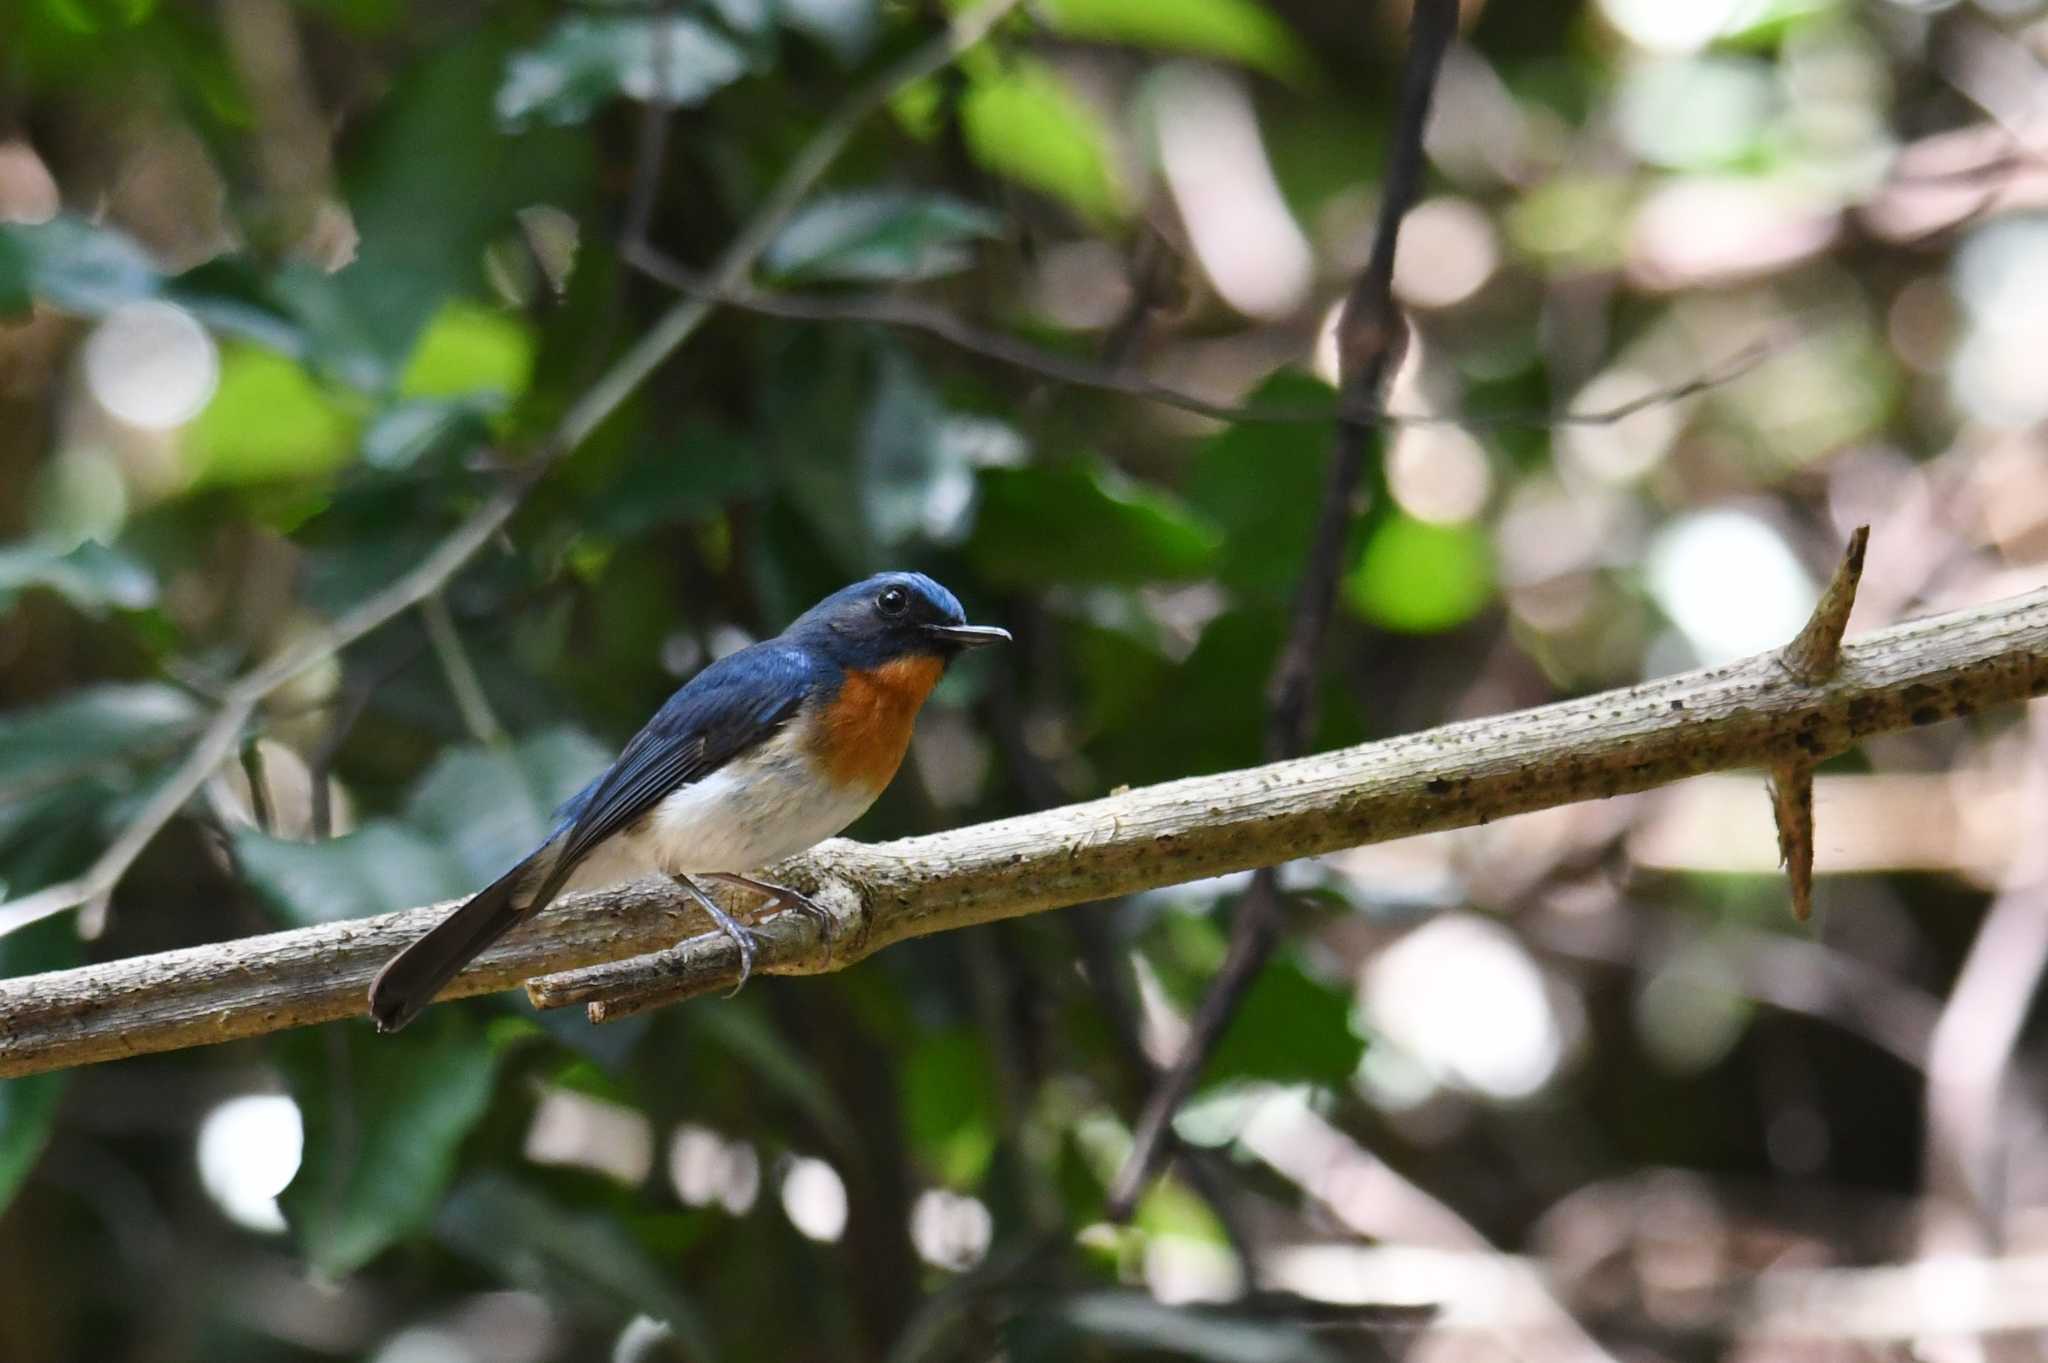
[893, 601]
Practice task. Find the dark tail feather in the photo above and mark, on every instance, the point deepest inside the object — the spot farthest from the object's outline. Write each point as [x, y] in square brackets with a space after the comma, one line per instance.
[410, 980]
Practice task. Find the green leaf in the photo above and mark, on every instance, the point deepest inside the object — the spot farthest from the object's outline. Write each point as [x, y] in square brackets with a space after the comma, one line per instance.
[1262, 483]
[847, 27]
[89, 575]
[488, 806]
[1085, 522]
[589, 59]
[380, 868]
[1242, 31]
[408, 433]
[950, 1106]
[49, 744]
[587, 1261]
[879, 235]
[73, 265]
[744, 1030]
[1022, 122]
[28, 1107]
[384, 1117]
[1291, 1026]
[1419, 578]
[917, 460]
[436, 181]
[268, 421]
[468, 350]
[475, 812]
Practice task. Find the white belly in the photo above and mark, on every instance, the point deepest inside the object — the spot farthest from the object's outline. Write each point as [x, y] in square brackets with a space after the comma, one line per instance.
[751, 813]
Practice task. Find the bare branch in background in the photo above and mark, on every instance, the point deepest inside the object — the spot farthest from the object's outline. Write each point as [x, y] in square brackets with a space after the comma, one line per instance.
[1748, 714]
[911, 314]
[1371, 336]
[239, 702]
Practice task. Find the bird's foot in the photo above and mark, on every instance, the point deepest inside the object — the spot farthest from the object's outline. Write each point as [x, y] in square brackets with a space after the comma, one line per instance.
[784, 897]
[742, 936]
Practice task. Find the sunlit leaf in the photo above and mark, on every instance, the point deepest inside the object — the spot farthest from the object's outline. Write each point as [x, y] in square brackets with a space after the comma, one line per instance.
[90, 575]
[879, 234]
[466, 350]
[587, 1261]
[1084, 522]
[1242, 31]
[588, 59]
[1023, 122]
[268, 420]
[384, 1116]
[1420, 578]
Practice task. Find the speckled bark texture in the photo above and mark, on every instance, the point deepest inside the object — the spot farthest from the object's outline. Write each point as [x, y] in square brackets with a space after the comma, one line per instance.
[1749, 714]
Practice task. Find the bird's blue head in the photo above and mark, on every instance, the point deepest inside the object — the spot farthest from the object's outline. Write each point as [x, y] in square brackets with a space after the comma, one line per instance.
[890, 616]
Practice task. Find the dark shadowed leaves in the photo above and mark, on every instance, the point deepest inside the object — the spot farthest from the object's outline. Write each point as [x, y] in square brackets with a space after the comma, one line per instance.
[1134, 1320]
[587, 1261]
[384, 1117]
[879, 235]
[950, 1106]
[28, 1107]
[1291, 1027]
[1263, 483]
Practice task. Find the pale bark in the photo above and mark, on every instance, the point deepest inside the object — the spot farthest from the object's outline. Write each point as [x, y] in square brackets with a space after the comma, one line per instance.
[1748, 714]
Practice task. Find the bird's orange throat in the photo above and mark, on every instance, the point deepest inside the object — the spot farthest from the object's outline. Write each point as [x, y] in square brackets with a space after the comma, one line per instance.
[865, 729]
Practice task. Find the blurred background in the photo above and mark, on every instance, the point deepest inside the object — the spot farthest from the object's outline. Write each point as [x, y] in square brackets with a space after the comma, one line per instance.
[284, 281]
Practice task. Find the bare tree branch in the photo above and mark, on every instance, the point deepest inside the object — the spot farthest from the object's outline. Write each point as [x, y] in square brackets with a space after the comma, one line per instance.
[1748, 714]
[604, 397]
[912, 314]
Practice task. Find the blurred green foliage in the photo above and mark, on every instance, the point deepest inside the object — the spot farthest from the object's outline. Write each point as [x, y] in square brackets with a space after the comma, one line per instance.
[399, 226]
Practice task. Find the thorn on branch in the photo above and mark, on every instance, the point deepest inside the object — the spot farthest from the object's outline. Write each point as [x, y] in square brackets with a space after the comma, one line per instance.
[1812, 658]
[1792, 806]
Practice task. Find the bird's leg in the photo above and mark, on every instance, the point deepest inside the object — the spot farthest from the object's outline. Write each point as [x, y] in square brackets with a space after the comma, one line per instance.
[784, 897]
[742, 937]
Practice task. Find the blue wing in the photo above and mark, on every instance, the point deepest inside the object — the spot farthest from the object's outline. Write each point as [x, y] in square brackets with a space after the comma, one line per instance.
[733, 705]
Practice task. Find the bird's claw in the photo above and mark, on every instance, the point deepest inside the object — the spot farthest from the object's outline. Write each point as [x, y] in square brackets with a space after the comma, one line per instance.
[742, 937]
[796, 900]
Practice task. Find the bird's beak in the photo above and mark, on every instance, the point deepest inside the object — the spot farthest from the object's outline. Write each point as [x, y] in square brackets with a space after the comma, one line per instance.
[969, 636]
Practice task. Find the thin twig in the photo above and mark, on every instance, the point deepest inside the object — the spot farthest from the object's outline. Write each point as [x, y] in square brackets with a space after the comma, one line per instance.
[1370, 338]
[599, 402]
[464, 685]
[910, 314]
